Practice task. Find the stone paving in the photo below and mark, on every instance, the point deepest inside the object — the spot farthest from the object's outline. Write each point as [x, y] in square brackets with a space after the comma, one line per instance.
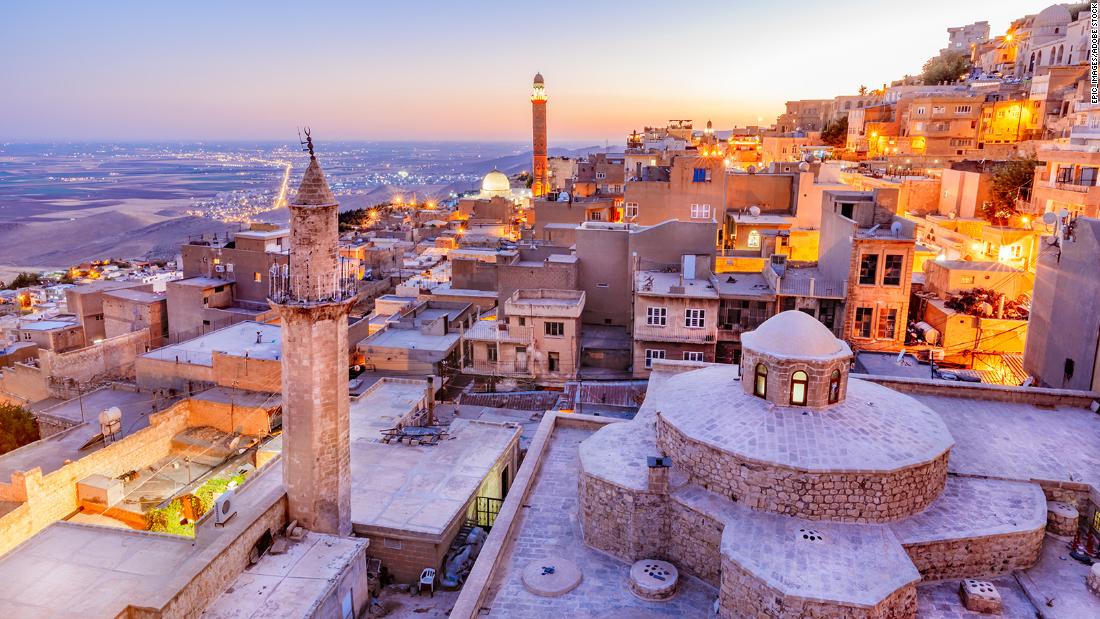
[550, 526]
[976, 507]
[1020, 441]
[873, 429]
[1057, 582]
[940, 600]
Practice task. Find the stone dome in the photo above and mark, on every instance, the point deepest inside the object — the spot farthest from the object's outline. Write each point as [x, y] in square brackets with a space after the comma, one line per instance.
[1053, 15]
[795, 335]
[495, 183]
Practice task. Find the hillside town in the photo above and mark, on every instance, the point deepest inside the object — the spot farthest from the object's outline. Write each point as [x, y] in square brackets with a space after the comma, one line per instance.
[843, 365]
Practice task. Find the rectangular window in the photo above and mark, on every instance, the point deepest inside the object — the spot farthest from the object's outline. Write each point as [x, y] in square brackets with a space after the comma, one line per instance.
[393, 544]
[962, 109]
[631, 210]
[966, 280]
[700, 175]
[651, 354]
[656, 316]
[863, 321]
[868, 270]
[694, 318]
[553, 361]
[700, 211]
[938, 109]
[691, 355]
[1088, 177]
[601, 175]
[595, 216]
[1065, 174]
[257, 277]
[891, 271]
[555, 329]
[919, 111]
[887, 323]
[492, 350]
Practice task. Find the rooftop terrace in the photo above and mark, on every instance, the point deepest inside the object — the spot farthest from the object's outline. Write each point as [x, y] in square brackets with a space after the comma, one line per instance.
[247, 338]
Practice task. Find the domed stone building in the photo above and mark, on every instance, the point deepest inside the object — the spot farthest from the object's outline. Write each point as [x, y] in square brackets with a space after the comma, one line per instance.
[797, 491]
[495, 184]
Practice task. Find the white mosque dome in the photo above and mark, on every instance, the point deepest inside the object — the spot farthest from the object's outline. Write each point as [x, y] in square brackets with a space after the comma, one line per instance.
[495, 183]
[794, 334]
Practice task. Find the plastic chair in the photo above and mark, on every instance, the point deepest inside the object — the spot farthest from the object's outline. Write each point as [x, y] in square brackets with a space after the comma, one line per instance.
[427, 579]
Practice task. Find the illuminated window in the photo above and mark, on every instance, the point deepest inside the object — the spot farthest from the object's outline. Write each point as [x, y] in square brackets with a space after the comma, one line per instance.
[834, 387]
[760, 384]
[798, 388]
[753, 241]
[258, 277]
[887, 323]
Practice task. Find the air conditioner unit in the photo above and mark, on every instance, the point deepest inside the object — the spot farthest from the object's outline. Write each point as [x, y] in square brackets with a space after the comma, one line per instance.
[224, 508]
[219, 268]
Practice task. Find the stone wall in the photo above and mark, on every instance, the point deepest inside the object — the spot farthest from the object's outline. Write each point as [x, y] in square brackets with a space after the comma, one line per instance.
[111, 358]
[977, 557]
[23, 383]
[743, 595]
[247, 373]
[818, 374]
[695, 541]
[998, 393]
[629, 524]
[840, 496]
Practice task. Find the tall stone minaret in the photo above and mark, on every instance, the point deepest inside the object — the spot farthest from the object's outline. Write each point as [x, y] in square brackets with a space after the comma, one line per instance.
[312, 297]
[540, 183]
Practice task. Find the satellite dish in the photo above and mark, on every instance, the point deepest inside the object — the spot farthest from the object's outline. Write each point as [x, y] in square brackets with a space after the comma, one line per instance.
[1050, 218]
[803, 167]
[1063, 213]
[752, 169]
[754, 211]
[563, 196]
[895, 229]
[809, 158]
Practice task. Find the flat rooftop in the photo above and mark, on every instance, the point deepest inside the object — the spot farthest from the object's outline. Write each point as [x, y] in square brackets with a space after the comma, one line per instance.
[45, 325]
[412, 339]
[744, 285]
[255, 339]
[102, 570]
[140, 296]
[51, 453]
[420, 489]
[974, 265]
[202, 282]
[656, 283]
[290, 584]
[384, 404]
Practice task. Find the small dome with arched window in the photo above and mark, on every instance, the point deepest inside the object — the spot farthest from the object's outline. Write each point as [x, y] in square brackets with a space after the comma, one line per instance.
[794, 360]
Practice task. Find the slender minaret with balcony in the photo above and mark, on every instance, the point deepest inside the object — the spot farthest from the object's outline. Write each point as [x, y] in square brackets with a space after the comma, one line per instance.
[312, 295]
[540, 178]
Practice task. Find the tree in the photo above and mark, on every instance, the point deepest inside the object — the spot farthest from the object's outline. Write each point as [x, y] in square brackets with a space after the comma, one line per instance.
[949, 66]
[23, 280]
[1011, 179]
[836, 133]
[862, 91]
[17, 427]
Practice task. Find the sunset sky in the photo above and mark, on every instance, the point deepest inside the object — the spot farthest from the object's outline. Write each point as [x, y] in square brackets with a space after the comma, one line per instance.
[451, 70]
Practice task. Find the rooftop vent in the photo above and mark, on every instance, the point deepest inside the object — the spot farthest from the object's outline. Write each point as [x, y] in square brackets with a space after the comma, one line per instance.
[810, 535]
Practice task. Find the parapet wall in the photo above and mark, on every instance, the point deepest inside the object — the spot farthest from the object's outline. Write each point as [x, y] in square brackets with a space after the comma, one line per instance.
[999, 393]
[111, 358]
[981, 556]
[52, 496]
[831, 495]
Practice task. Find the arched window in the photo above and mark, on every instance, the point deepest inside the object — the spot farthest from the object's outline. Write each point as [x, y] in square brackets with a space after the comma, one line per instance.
[760, 384]
[798, 388]
[834, 387]
[1060, 50]
[754, 239]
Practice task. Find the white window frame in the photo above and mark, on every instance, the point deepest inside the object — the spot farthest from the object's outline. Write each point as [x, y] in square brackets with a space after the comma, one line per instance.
[656, 316]
[700, 211]
[601, 175]
[963, 109]
[695, 318]
[694, 355]
[630, 209]
[651, 354]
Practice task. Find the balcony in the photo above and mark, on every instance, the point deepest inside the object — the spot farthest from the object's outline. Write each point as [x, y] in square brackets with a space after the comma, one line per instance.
[675, 333]
[1070, 186]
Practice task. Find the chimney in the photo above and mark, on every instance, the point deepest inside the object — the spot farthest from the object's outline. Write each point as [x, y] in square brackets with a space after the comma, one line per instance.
[658, 474]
